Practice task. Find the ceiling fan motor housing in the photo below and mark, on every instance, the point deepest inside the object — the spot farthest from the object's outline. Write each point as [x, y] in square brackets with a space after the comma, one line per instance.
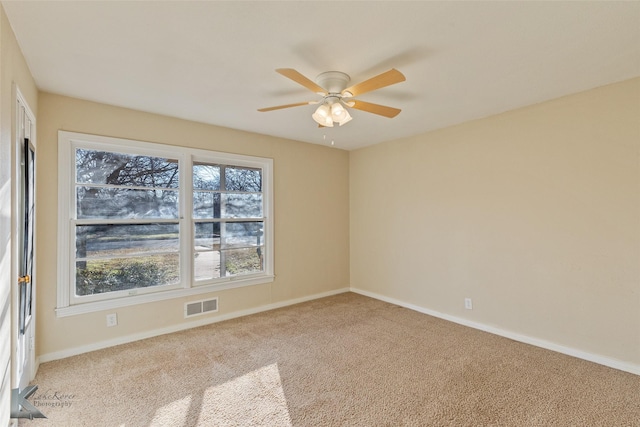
[333, 81]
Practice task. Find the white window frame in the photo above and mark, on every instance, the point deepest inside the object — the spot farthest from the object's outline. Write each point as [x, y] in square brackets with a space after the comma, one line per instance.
[68, 304]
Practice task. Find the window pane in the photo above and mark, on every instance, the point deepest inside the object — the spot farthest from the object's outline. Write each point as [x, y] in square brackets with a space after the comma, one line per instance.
[206, 177]
[104, 167]
[207, 256]
[236, 262]
[240, 205]
[242, 249]
[226, 205]
[243, 179]
[241, 235]
[206, 205]
[206, 265]
[207, 236]
[110, 203]
[117, 274]
[243, 261]
[125, 240]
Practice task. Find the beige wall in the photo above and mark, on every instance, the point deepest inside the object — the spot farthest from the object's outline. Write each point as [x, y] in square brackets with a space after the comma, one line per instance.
[534, 214]
[13, 70]
[311, 218]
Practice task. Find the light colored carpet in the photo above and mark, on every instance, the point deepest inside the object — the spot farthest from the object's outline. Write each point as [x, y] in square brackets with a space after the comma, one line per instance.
[346, 360]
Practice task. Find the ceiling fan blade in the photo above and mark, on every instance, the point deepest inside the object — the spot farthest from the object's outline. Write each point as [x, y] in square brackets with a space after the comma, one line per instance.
[381, 110]
[389, 78]
[300, 79]
[280, 107]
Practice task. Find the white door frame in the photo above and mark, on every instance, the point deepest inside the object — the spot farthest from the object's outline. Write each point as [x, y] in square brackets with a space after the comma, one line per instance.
[23, 361]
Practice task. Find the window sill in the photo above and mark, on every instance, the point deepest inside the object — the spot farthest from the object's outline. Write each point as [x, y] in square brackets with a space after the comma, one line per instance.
[91, 307]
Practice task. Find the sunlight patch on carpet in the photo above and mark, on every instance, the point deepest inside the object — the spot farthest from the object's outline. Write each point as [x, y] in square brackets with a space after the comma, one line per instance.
[255, 398]
[173, 413]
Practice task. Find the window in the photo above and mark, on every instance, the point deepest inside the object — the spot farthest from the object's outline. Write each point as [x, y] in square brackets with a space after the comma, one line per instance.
[141, 222]
[228, 224]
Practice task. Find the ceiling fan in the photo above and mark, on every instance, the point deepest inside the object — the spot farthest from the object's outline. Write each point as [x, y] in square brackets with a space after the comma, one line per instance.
[332, 86]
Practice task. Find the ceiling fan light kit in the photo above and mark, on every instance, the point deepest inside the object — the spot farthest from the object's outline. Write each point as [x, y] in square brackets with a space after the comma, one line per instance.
[337, 97]
[322, 116]
[331, 111]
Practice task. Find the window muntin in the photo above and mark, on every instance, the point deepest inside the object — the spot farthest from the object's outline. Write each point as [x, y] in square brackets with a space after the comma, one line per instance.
[147, 222]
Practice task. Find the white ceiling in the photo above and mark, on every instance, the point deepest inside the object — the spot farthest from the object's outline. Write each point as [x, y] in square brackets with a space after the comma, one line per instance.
[214, 62]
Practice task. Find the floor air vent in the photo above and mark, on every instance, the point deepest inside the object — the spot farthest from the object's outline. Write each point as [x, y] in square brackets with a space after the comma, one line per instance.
[196, 308]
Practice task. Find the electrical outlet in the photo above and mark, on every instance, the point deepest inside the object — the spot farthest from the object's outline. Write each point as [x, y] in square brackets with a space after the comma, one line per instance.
[468, 304]
[112, 319]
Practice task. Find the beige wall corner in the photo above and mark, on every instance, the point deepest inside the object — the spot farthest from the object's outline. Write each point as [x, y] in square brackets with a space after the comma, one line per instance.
[534, 214]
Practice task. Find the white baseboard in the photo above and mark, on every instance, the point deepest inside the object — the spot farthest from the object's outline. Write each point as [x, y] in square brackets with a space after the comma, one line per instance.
[591, 357]
[182, 326]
